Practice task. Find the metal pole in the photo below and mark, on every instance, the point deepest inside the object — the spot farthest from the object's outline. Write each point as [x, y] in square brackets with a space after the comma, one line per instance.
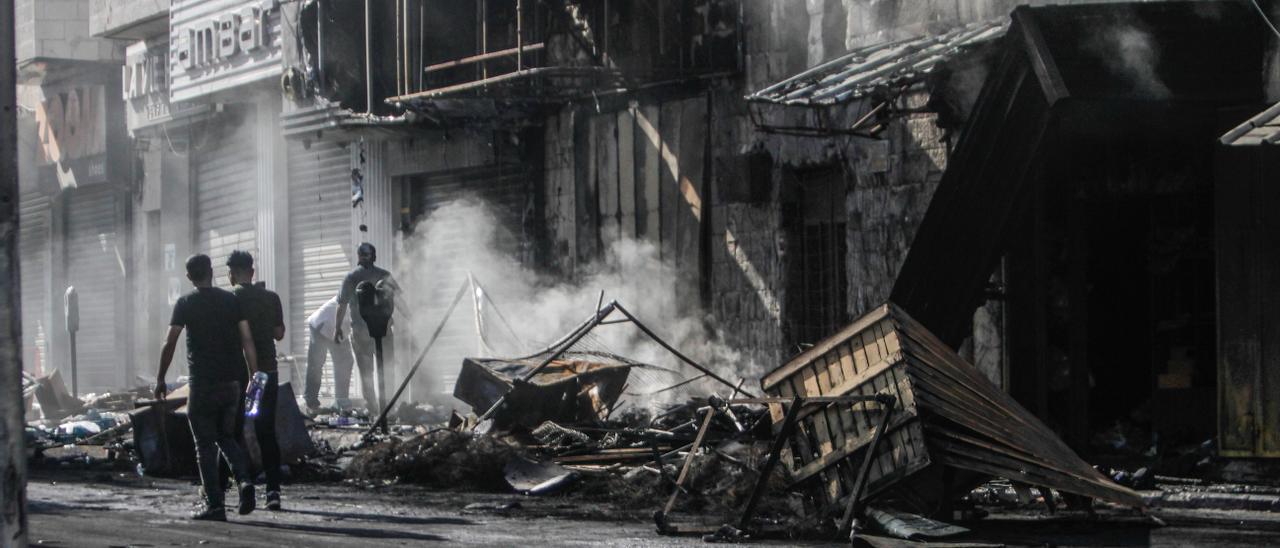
[399, 60]
[75, 370]
[520, 35]
[13, 460]
[320, 44]
[368, 60]
[381, 396]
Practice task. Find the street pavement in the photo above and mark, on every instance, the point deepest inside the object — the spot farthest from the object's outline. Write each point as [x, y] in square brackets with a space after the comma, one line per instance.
[74, 508]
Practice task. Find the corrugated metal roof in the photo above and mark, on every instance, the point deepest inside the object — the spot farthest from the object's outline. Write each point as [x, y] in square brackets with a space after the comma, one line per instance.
[891, 64]
[1261, 129]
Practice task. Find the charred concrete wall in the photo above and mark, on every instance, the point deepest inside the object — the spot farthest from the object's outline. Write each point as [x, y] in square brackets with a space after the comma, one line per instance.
[745, 259]
[894, 180]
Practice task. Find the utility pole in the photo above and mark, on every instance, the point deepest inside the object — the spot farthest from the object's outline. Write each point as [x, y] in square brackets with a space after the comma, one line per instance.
[13, 460]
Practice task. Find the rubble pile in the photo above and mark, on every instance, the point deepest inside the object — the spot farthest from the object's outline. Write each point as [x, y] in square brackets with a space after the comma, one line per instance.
[443, 458]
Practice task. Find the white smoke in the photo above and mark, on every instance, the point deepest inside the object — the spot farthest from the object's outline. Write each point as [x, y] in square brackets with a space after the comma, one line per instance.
[1131, 53]
[465, 236]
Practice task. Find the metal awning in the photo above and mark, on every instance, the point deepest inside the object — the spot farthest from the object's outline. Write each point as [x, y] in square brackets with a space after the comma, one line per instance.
[889, 65]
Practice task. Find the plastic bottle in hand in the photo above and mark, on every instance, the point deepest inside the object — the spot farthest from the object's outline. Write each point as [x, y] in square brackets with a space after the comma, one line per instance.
[253, 397]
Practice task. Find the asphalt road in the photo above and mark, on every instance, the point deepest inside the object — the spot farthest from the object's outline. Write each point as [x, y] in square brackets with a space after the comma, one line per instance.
[101, 509]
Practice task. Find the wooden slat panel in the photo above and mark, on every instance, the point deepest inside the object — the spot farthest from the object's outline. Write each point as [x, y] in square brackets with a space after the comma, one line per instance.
[648, 166]
[669, 179]
[587, 211]
[627, 173]
[692, 195]
[604, 129]
[901, 358]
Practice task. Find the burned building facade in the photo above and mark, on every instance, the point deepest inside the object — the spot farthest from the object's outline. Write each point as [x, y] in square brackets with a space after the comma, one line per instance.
[784, 157]
[74, 215]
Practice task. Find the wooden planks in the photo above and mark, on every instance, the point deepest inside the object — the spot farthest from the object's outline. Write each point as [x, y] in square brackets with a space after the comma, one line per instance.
[627, 197]
[648, 143]
[947, 414]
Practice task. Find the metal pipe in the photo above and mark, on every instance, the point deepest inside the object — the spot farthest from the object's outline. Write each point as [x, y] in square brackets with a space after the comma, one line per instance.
[395, 23]
[519, 34]
[13, 458]
[368, 61]
[404, 46]
[484, 36]
[482, 57]
[422, 33]
[381, 397]
[320, 44]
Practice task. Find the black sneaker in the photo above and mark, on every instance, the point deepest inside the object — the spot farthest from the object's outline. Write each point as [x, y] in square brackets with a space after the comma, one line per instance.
[211, 513]
[273, 501]
[247, 502]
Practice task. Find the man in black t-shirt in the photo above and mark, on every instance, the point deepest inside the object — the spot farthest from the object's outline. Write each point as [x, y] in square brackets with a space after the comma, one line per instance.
[266, 322]
[218, 346]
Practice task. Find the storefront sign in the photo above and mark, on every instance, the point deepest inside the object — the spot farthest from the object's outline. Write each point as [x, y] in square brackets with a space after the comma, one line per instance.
[72, 135]
[221, 44]
[145, 81]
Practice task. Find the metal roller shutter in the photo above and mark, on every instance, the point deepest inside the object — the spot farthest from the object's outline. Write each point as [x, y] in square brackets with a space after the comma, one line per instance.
[320, 251]
[224, 180]
[508, 194]
[33, 248]
[94, 268]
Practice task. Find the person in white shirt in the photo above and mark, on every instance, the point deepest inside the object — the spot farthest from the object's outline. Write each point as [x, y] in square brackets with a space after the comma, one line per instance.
[326, 338]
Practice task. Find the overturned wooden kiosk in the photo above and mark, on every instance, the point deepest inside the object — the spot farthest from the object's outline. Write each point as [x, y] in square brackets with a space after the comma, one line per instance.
[946, 430]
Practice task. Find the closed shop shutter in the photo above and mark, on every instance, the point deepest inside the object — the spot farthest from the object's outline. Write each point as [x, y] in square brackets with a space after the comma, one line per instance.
[320, 251]
[94, 262]
[225, 185]
[507, 193]
[33, 248]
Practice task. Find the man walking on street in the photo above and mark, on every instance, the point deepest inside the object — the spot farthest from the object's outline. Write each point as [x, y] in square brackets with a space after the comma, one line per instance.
[362, 343]
[323, 324]
[266, 323]
[219, 345]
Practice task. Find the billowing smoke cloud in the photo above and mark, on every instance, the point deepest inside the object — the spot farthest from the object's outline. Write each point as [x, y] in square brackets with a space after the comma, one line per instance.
[1131, 53]
[466, 237]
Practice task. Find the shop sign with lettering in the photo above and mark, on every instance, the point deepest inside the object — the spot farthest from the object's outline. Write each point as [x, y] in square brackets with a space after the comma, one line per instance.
[72, 135]
[145, 86]
[218, 45]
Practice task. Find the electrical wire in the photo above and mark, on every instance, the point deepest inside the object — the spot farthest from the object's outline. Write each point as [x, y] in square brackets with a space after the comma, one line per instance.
[1265, 19]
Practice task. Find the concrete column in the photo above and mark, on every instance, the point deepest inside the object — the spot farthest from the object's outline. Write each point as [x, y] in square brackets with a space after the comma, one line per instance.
[373, 221]
[177, 242]
[13, 458]
[272, 261]
[377, 213]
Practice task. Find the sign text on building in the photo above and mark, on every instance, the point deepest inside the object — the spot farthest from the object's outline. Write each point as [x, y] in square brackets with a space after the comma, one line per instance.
[72, 135]
[145, 86]
[220, 44]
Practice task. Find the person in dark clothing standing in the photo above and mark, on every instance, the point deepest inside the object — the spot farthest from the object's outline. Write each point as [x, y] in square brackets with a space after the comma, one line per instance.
[219, 347]
[362, 344]
[266, 323]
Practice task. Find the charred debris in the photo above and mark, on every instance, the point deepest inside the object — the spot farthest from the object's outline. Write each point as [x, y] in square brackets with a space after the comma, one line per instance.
[879, 428]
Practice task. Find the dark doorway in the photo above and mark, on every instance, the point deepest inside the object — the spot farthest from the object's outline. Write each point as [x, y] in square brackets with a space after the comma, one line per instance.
[817, 295]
